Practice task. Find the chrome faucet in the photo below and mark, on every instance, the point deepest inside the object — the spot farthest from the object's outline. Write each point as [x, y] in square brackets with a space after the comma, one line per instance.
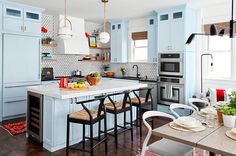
[137, 74]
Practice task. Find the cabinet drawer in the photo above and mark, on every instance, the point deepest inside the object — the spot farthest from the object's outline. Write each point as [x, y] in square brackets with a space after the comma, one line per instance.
[17, 91]
[14, 107]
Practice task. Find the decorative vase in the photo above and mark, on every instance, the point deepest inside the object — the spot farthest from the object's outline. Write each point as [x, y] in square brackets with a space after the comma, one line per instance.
[220, 117]
[93, 81]
[229, 120]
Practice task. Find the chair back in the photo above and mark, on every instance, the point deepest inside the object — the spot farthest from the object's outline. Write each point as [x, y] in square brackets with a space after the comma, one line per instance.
[125, 99]
[196, 100]
[179, 106]
[150, 114]
[101, 106]
[147, 96]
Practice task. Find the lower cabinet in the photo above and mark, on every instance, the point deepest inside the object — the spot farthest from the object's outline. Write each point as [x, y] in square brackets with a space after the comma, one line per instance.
[14, 106]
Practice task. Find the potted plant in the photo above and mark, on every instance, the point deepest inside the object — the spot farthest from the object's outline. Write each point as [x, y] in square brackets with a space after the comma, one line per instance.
[123, 71]
[50, 40]
[220, 110]
[105, 67]
[93, 78]
[229, 111]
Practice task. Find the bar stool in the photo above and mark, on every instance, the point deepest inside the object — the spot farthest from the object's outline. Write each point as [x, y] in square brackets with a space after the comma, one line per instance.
[88, 117]
[115, 108]
[140, 103]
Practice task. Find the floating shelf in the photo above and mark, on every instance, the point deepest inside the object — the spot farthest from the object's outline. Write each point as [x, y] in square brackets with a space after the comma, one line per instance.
[100, 48]
[52, 60]
[49, 45]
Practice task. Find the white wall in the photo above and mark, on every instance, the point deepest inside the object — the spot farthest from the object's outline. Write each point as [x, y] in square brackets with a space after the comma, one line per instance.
[135, 25]
[212, 14]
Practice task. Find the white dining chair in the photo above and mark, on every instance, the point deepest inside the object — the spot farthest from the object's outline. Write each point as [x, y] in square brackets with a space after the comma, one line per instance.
[180, 106]
[193, 100]
[163, 147]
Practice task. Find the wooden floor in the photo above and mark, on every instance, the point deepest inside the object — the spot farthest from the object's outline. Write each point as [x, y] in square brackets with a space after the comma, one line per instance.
[20, 146]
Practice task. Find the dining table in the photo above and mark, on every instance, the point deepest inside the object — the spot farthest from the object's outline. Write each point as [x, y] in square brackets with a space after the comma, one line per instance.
[212, 139]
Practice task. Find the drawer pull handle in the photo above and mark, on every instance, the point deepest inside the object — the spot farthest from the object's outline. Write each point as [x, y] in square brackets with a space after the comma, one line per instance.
[21, 86]
[15, 101]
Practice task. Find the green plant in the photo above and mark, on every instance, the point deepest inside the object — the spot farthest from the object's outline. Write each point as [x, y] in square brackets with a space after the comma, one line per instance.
[105, 66]
[94, 74]
[123, 69]
[80, 81]
[232, 99]
[227, 110]
[49, 39]
[220, 108]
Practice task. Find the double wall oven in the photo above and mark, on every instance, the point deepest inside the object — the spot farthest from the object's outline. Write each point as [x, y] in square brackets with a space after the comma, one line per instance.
[170, 82]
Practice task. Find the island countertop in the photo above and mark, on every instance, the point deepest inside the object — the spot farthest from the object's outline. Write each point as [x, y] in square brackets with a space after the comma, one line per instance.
[105, 86]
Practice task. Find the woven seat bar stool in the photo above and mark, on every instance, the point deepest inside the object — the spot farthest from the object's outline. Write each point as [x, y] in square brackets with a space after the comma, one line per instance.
[140, 103]
[88, 117]
[118, 107]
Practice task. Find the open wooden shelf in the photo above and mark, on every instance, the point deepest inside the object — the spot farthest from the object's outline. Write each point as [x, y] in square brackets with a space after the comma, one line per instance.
[49, 45]
[100, 48]
[52, 60]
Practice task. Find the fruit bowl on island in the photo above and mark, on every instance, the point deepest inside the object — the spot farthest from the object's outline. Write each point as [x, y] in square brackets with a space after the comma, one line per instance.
[93, 78]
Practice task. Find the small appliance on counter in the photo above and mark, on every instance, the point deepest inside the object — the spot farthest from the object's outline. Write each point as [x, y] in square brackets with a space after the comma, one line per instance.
[47, 74]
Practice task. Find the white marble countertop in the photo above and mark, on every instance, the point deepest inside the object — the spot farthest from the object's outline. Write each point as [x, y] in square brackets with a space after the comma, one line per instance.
[105, 86]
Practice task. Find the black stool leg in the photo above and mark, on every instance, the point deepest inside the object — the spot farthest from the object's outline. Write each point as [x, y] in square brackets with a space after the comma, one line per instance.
[131, 123]
[137, 116]
[115, 128]
[124, 119]
[99, 130]
[67, 136]
[91, 139]
[83, 136]
[140, 121]
[105, 131]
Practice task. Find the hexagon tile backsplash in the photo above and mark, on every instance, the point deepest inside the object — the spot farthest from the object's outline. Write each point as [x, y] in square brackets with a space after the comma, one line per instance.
[65, 64]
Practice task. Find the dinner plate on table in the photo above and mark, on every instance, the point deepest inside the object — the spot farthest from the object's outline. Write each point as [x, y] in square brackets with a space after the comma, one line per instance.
[233, 130]
[187, 122]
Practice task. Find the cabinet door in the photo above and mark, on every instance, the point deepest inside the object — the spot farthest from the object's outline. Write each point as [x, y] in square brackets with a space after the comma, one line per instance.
[152, 52]
[13, 107]
[12, 12]
[177, 35]
[164, 34]
[119, 45]
[21, 59]
[32, 28]
[30, 15]
[114, 43]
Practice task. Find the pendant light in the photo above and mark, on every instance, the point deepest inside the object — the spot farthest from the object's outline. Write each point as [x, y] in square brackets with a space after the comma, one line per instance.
[65, 31]
[104, 37]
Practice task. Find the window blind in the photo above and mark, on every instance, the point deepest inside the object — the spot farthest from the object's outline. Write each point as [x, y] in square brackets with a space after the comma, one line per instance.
[139, 35]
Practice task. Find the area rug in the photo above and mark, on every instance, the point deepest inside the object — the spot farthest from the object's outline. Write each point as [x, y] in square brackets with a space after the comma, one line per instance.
[198, 152]
[15, 128]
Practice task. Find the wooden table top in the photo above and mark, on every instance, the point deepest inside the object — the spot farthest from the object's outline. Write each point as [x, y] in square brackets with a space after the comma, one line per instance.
[189, 138]
[218, 142]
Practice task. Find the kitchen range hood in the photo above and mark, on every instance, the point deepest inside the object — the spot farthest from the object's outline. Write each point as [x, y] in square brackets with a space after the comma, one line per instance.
[78, 43]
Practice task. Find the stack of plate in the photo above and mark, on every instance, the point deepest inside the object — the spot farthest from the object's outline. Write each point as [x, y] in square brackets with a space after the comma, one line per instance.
[208, 110]
[188, 122]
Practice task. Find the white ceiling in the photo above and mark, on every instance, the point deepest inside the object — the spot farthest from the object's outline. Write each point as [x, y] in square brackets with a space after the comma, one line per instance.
[92, 10]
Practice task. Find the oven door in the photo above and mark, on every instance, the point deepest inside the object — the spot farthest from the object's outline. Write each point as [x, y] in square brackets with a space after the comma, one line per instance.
[171, 67]
[169, 93]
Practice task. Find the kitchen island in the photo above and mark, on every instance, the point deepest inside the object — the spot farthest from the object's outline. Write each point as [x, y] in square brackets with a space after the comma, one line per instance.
[53, 104]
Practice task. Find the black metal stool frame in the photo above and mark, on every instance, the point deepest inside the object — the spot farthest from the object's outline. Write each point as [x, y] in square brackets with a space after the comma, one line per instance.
[90, 122]
[115, 112]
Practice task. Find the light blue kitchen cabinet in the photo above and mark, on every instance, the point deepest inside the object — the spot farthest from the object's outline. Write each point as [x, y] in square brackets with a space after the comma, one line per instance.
[152, 31]
[1, 105]
[173, 28]
[21, 19]
[119, 41]
[21, 61]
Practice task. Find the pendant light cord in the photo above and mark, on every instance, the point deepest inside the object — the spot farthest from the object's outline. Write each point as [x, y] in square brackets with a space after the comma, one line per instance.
[104, 20]
[65, 7]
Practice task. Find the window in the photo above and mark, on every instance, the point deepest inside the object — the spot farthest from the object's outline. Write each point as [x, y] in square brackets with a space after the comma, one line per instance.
[140, 50]
[221, 48]
[139, 47]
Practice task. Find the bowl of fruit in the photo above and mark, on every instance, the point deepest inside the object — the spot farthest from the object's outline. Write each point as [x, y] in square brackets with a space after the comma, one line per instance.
[93, 78]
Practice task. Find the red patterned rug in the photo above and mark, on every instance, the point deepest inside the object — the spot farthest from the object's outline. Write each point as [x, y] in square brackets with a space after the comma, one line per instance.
[15, 128]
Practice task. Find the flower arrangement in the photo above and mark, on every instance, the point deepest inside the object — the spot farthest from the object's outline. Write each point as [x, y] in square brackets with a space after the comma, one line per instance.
[123, 71]
[105, 67]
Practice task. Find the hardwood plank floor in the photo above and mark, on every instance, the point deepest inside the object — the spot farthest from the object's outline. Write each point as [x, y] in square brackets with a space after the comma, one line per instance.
[21, 146]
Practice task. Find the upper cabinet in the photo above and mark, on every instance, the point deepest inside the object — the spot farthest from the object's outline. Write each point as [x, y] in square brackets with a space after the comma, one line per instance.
[152, 47]
[21, 19]
[173, 28]
[119, 41]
